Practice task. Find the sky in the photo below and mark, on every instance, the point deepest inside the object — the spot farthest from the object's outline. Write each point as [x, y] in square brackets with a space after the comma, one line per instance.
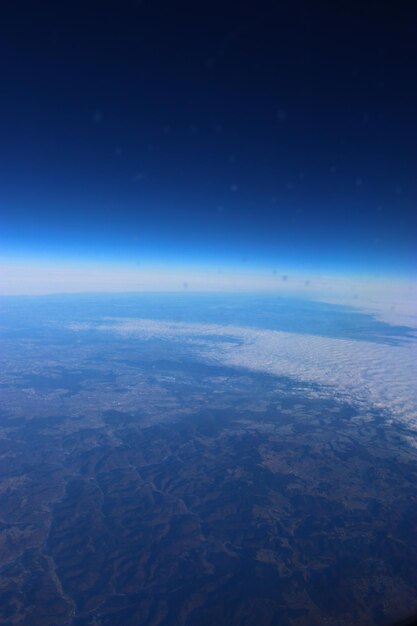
[275, 137]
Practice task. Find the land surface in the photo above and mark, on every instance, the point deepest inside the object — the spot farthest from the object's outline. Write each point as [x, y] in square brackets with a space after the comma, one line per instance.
[143, 485]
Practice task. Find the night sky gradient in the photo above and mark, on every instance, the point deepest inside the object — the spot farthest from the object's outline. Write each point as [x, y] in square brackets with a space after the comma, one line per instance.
[275, 134]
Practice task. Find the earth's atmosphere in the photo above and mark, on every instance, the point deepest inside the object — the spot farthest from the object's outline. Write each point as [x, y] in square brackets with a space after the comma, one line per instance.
[237, 460]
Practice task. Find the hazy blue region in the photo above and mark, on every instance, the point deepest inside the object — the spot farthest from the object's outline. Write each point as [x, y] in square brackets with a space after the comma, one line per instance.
[264, 312]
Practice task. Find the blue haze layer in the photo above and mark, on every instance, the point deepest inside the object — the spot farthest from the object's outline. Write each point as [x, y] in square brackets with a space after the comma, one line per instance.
[263, 312]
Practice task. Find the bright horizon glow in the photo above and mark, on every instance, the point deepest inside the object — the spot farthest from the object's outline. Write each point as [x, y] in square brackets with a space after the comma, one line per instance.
[390, 298]
[208, 252]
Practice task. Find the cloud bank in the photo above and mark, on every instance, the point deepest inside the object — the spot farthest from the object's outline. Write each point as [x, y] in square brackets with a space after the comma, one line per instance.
[368, 374]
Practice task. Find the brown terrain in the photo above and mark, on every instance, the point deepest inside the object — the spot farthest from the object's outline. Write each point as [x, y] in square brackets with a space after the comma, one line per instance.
[301, 513]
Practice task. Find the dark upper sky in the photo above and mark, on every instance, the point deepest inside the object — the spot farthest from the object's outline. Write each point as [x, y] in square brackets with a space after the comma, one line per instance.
[278, 132]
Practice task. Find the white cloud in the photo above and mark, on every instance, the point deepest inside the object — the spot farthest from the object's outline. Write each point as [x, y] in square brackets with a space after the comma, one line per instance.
[369, 374]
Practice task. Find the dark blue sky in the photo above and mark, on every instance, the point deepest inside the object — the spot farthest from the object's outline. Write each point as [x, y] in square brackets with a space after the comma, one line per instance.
[281, 133]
